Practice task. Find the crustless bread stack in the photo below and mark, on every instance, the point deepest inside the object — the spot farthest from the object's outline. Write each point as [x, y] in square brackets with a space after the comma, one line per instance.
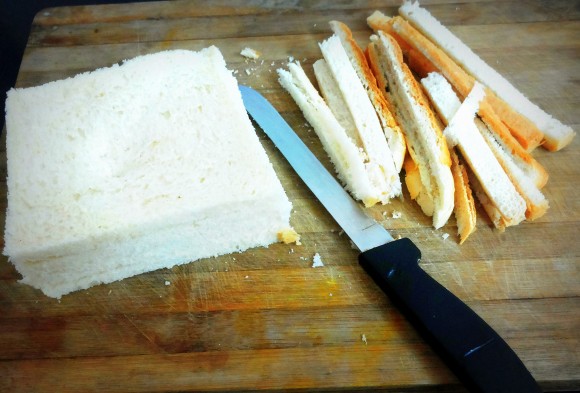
[133, 168]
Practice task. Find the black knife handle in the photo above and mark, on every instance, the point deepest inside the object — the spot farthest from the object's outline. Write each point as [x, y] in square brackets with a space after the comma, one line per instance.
[480, 358]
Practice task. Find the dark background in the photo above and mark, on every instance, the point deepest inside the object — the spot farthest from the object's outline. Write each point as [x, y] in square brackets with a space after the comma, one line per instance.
[15, 20]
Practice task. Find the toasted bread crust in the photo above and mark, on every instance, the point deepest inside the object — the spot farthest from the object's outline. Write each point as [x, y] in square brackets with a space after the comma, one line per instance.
[465, 213]
[425, 141]
[416, 92]
[482, 160]
[417, 190]
[525, 131]
[421, 99]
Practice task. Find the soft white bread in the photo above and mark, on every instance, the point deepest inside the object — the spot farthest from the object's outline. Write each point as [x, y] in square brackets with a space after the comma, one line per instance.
[425, 142]
[427, 57]
[348, 159]
[133, 168]
[357, 58]
[380, 165]
[462, 132]
[335, 101]
[556, 134]
[492, 211]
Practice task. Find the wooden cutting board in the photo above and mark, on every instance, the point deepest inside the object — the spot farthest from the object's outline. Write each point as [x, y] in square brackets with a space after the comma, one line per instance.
[265, 319]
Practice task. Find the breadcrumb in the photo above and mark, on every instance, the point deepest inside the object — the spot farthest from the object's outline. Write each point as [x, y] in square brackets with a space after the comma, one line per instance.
[250, 53]
[317, 261]
[288, 236]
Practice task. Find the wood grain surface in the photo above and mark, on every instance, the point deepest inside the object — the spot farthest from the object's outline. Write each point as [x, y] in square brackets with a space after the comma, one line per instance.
[264, 319]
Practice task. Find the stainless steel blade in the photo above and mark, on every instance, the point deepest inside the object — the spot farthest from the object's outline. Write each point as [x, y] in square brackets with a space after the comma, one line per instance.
[365, 232]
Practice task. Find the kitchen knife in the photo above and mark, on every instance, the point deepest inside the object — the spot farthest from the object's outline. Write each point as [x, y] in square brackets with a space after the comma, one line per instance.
[480, 358]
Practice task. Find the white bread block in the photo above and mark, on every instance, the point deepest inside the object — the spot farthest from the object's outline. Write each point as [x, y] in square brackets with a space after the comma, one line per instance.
[556, 134]
[380, 161]
[462, 132]
[347, 158]
[133, 168]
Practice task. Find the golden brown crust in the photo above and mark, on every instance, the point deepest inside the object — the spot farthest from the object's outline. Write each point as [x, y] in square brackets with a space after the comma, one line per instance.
[533, 210]
[380, 22]
[437, 200]
[412, 177]
[525, 131]
[420, 65]
[465, 213]
[424, 57]
[382, 83]
[417, 190]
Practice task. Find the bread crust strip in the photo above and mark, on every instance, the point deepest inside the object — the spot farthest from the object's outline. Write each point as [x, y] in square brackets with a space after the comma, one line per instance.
[556, 134]
[342, 150]
[464, 209]
[393, 133]
[462, 132]
[425, 142]
[427, 57]
[381, 166]
[536, 202]
[524, 131]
